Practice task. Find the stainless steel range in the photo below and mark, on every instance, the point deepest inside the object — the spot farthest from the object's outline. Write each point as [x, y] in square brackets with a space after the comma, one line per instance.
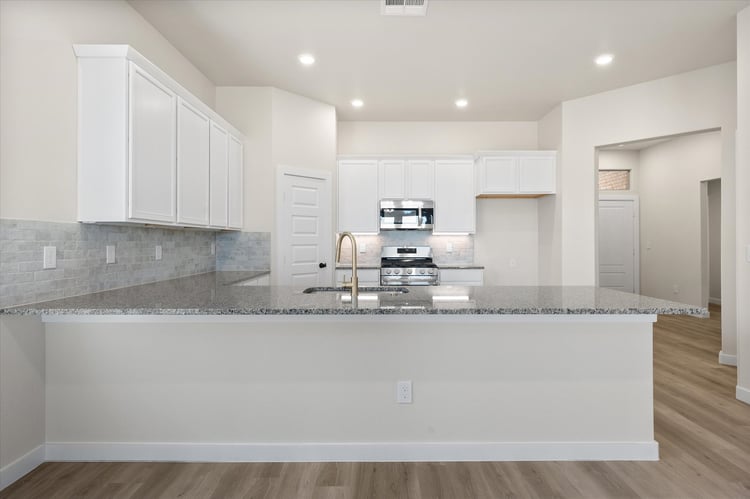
[408, 266]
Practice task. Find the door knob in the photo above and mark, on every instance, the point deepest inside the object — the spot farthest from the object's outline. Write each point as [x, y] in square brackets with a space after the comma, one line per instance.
[322, 265]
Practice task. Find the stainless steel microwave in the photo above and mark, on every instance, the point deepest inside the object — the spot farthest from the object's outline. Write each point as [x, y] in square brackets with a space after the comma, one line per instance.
[406, 215]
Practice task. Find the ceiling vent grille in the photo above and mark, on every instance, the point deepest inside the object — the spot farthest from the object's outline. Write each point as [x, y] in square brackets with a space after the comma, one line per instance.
[403, 7]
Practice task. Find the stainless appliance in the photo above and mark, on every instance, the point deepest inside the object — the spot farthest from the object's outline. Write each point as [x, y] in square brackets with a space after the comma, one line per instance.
[408, 266]
[406, 215]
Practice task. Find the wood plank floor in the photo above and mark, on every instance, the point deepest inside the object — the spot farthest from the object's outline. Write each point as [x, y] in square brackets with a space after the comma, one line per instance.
[703, 432]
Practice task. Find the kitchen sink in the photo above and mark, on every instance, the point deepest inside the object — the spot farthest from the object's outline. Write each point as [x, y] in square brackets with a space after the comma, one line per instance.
[394, 290]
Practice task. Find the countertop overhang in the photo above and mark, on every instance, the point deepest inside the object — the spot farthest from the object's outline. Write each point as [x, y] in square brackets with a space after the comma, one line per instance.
[214, 293]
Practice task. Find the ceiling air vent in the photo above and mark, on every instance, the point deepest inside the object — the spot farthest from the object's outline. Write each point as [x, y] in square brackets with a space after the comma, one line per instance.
[403, 7]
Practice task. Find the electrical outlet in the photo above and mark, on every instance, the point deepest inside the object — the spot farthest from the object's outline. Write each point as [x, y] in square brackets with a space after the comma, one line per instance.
[403, 392]
[157, 255]
[110, 254]
[50, 257]
[362, 247]
[213, 248]
[676, 289]
[449, 248]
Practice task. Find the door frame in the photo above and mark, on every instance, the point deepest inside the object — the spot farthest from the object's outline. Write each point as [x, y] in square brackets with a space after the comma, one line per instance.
[327, 231]
[611, 196]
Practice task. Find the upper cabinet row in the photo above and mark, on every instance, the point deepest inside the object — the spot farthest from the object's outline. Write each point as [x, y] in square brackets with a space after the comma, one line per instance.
[452, 183]
[149, 151]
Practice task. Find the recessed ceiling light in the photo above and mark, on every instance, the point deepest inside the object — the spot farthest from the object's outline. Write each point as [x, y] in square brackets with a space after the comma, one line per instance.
[357, 103]
[462, 103]
[604, 59]
[306, 59]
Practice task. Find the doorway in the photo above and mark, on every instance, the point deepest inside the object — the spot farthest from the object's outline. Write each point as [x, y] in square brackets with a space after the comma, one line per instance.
[303, 252]
[619, 266]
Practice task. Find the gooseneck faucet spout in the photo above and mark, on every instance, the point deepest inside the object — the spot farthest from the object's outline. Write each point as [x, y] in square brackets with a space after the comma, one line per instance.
[354, 283]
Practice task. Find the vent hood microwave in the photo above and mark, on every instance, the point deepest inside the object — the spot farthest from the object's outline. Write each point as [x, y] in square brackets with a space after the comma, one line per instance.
[406, 215]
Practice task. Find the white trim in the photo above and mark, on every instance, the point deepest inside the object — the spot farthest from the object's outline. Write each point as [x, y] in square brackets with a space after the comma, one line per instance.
[398, 318]
[356, 452]
[607, 196]
[743, 394]
[327, 177]
[21, 466]
[727, 359]
[714, 301]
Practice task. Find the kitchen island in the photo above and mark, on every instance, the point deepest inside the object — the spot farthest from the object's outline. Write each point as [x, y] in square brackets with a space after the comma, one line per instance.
[200, 369]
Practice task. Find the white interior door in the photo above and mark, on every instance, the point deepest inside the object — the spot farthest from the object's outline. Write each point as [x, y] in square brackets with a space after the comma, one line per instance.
[618, 232]
[305, 237]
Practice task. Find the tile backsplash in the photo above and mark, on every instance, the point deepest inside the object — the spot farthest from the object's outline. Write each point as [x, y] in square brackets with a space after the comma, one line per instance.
[81, 265]
[462, 251]
[243, 251]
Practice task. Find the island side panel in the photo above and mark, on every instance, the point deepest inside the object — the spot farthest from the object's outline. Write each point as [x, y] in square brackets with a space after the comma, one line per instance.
[513, 385]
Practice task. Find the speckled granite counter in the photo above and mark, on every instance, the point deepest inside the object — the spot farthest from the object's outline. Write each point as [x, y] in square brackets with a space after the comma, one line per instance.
[214, 294]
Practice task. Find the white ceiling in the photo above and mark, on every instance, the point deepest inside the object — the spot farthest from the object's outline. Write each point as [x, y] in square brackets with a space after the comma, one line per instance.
[513, 60]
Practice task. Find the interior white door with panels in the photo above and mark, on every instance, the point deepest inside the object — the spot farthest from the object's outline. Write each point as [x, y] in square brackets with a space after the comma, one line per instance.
[618, 244]
[236, 185]
[304, 253]
[153, 151]
[192, 165]
[219, 169]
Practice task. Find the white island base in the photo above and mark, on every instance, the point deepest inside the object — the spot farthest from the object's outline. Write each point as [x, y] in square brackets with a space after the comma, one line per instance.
[323, 388]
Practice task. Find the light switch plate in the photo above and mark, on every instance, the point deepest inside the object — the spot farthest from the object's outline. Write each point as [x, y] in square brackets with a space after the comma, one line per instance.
[362, 247]
[449, 248]
[50, 257]
[111, 254]
[157, 255]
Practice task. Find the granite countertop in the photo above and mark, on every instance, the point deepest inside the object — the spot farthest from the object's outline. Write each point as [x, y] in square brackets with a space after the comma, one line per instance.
[214, 294]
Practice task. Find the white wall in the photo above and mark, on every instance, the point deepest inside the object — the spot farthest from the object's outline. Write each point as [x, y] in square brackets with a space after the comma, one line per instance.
[670, 207]
[22, 396]
[714, 240]
[550, 207]
[743, 207]
[505, 228]
[38, 85]
[622, 160]
[698, 100]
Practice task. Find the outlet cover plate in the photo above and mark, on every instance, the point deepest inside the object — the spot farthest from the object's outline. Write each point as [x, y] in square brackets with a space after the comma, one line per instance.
[403, 392]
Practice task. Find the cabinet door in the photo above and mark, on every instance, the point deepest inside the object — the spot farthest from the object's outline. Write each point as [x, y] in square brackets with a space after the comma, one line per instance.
[462, 277]
[236, 186]
[537, 175]
[219, 166]
[152, 160]
[420, 179]
[192, 165]
[455, 202]
[392, 179]
[358, 209]
[498, 175]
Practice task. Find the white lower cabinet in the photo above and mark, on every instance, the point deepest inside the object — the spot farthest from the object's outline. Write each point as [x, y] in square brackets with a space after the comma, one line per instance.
[145, 149]
[367, 277]
[462, 277]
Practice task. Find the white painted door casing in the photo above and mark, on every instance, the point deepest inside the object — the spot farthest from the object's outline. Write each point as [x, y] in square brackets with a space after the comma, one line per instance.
[152, 164]
[455, 202]
[192, 165]
[358, 209]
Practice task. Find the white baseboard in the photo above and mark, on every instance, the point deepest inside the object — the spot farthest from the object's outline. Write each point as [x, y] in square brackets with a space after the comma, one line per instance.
[356, 452]
[743, 394]
[714, 301]
[727, 359]
[21, 466]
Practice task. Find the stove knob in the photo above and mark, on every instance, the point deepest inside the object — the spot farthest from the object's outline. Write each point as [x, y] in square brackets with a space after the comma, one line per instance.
[397, 271]
[408, 271]
[432, 271]
[388, 271]
[421, 271]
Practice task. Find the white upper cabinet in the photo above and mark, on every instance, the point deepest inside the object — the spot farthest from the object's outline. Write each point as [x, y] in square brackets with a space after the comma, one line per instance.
[392, 179]
[516, 173]
[455, 203]
[406, 179]
[153, 133]
[358, 209]
[145, 146]
[219, 175]
[236, 184]
[192, 165]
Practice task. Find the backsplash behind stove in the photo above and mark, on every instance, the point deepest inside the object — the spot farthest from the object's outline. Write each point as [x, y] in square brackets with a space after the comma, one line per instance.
[463, 246]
